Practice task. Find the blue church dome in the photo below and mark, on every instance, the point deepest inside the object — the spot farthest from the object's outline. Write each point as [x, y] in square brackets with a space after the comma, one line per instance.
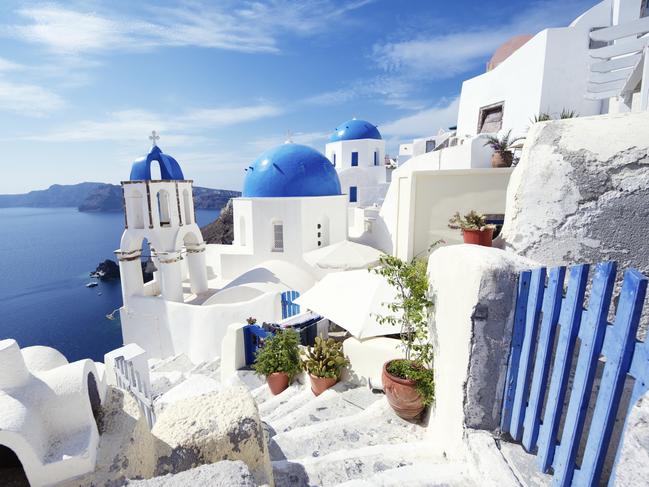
[169, 167]
[355, 129]
[291, 170]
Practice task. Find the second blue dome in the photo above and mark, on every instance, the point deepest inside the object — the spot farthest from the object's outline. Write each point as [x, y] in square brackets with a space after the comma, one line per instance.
[290, 170]
[355, 129]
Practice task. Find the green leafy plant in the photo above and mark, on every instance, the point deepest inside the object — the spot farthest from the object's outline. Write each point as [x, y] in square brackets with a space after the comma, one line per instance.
[502, 144]
[280, 353]
[565, 113]
[325, 358]
[471, 221]
[410, 311]
[541, 117]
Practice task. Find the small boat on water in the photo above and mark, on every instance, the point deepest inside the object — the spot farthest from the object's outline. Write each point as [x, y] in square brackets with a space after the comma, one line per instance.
[92, 284]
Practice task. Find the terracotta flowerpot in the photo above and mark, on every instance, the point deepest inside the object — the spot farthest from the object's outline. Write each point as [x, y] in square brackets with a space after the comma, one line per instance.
[277, 382]
[321, 384]
[478, 237]
[402, 395]
[502, 159]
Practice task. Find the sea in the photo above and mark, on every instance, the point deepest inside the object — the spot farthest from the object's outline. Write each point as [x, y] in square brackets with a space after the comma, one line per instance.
[46, 255]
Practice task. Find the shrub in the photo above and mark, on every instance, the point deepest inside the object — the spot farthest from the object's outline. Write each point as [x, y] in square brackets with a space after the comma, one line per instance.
[325, 358]
[501, 144]
[471, 221]
[410, 311]
[280, 353]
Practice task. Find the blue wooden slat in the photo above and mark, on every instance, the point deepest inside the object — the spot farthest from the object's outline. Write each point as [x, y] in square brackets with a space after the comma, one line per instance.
[591, 335]
[618, 348]
[535, 300]
[639, 370]
[569, 320]
[518, 330]
[551, 308]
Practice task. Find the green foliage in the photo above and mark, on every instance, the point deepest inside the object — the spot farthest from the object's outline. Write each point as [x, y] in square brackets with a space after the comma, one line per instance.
[280, 353]
[565, 113]
[423, 377]
[541, 117]
[471, 221]
[410, 309]
[325, 358]
[501, 144]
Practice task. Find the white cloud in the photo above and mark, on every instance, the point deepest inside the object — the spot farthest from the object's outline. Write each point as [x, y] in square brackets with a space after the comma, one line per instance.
[424, 122]
[237, 26]
[26, 99]
[444, 55]
[129, 125]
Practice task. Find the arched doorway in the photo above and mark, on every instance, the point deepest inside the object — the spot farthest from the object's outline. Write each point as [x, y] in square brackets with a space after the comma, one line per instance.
[12, 473]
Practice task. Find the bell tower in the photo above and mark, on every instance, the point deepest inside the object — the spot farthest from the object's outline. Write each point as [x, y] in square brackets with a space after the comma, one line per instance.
[162, 212]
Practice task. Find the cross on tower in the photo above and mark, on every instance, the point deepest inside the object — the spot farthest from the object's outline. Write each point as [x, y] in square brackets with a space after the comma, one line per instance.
[154, 137]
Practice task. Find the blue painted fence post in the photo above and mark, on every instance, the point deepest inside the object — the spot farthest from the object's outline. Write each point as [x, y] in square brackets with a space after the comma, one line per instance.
[569, 321]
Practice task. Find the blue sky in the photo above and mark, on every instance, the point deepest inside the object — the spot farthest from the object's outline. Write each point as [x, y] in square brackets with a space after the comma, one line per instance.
[82, 84]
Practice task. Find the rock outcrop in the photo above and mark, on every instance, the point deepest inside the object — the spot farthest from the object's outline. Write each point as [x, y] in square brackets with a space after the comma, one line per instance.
[581, 192]
[104, 198]
[200, 430]
[221, 474]
[221, 230]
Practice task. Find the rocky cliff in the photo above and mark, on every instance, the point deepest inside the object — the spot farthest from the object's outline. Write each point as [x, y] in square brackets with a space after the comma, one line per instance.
[102, 197]
[221, 230]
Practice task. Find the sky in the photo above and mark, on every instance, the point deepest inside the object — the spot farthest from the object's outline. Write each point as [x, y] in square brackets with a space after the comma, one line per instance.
[83, 84]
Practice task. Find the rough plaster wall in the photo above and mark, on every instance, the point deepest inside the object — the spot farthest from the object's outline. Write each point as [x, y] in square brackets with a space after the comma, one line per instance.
[633, 466]
[474, 291]
[580, 193]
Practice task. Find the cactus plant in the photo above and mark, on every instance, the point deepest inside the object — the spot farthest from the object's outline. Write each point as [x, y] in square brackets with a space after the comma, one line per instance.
[325, 358]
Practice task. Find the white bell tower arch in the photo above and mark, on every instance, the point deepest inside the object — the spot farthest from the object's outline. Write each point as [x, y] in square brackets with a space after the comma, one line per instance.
[161, 211]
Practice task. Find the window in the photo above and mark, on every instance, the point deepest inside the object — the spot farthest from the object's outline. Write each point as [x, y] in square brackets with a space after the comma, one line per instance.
[354, 158]
[491, 118]
[353, 194]
[644, 8]
[278, 237]
[334, 158]
[376, 158]
[163, 208]
[430, 145]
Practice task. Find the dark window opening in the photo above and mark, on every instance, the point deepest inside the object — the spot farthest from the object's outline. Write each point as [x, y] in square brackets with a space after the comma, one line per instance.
[430, 145]
[353, 196]
[354, 158]
[491, 118]
[12, 472]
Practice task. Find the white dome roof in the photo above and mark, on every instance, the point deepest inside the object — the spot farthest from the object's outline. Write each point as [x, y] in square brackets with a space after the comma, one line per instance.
[40, 359]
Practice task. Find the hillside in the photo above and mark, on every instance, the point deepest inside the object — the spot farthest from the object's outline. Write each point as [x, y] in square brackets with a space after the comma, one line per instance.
[102, 197]
[221, 230]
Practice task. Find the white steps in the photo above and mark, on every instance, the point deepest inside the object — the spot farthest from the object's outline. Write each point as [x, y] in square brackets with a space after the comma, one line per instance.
[350, 464]
[373, 426]
[418, 475]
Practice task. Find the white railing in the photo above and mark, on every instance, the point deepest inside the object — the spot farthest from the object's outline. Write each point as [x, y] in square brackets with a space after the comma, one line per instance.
[129, 379]
[617, 69]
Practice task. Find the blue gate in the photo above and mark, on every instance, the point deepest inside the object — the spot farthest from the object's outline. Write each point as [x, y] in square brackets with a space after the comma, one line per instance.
[253, 340]
[289, 308]
[542, 311]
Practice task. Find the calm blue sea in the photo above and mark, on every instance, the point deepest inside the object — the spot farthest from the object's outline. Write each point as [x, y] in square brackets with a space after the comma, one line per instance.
[45, 257]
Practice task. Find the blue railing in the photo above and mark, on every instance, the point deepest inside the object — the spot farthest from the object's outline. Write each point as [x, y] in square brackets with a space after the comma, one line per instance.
[537, 376]
[289, 308]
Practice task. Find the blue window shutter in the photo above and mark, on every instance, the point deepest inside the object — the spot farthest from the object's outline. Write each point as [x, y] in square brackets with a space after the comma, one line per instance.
[354, 158]
[352, 194]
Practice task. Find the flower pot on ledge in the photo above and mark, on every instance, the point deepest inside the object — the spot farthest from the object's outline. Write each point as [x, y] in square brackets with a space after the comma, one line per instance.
[502, 159]
[277, 382]
[402, 395]
[321, 384]
[478, 237]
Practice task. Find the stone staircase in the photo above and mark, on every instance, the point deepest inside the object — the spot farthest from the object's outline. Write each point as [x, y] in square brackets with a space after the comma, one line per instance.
[346, 436]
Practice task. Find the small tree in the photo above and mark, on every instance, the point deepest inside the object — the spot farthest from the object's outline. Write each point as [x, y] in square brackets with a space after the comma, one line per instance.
[410, 309]
[502, 144]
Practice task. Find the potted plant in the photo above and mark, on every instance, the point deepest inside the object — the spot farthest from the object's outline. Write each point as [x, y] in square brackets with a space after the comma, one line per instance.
[279, 360]
[474, 226]
[408, 383]
[324, 362]
[502, 156]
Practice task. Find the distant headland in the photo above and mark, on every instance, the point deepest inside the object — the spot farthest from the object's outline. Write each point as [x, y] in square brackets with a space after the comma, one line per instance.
[102, 197]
